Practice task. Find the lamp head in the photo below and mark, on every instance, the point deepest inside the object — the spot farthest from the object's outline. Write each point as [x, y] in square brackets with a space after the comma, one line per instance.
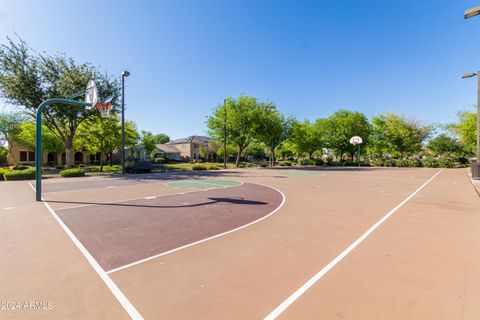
[472, 12]
[125, 73]
[468, 75]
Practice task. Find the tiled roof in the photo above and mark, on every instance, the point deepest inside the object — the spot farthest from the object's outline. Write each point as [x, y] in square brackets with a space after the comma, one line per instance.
[166, 148]
[189, 139]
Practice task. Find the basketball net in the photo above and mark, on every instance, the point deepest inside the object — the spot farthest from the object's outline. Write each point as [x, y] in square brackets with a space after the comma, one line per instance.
[104, 108]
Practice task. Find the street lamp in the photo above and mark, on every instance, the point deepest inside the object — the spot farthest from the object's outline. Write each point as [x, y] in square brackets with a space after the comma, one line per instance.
[472, 12]
[225, 134]
[124, 74]
[475, 166]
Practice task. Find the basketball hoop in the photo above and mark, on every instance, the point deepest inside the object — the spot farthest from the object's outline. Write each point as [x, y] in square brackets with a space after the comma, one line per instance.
[104, 108]
[356, 140]
[91, 94]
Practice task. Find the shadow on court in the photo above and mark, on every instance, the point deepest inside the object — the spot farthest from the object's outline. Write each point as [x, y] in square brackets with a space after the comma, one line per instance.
[220, 200]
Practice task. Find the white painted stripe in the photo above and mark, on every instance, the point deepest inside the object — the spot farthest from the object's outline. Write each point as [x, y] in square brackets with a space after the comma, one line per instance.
[126, 304]
[206, 239]
[300, 291]
[149, 198]
[9, 208]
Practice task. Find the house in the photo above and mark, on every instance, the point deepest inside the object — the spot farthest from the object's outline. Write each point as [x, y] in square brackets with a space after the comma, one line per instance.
[190, 148]
[22, 155]
[162, 151]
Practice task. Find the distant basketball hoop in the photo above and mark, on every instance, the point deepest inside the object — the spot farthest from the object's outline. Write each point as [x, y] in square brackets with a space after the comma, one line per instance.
[356, 140]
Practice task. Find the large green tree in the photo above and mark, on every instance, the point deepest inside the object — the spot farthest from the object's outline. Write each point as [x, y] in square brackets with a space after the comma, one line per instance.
[343, 125]
[444, 145]
[9, 125]
[25, 135]
[161, 138]
[273, 130]
[243, 121]
[466, 130]
[28, 78]
[398, 135]
[105, 136]
[306, 137]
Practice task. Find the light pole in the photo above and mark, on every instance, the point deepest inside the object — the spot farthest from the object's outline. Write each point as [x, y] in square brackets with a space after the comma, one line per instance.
[225, 134]
[475, 166]
[124, 74]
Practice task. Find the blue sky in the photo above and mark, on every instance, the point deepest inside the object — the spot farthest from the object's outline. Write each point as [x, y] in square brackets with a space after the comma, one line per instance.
[310, 57]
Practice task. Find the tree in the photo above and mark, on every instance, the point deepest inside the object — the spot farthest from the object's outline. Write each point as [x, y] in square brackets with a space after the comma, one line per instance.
[147, 139]
[444, 145]
[398, 135]
[273, 129]
[466, 130]
[9, 123]
[243, 114]
[161, 138]
[105, 136]
[28, 78]
[306, 137]
[25, 135]
[341, 126]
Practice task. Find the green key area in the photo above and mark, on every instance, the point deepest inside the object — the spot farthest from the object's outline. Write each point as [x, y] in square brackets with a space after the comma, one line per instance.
[203, 184]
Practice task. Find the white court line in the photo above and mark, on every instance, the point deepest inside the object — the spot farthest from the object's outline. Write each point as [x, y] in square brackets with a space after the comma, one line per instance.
[300, 291]
[122, 299]
[215, 185]
[206, 239]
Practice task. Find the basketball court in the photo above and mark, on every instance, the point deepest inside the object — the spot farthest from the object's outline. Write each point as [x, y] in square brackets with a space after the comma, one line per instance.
[340, 243]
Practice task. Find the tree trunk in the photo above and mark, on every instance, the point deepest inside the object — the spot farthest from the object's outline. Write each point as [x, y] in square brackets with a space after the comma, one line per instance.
[273, 157]
[237, 161]
[101, 161]
[310, 154]
[68, 152]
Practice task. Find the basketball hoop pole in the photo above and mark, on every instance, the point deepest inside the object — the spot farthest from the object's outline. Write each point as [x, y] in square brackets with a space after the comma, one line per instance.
[38, 138]
[358, 154]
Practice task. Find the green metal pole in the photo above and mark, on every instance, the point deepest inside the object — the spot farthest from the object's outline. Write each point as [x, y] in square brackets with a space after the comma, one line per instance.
[358, 154]
[38, 140]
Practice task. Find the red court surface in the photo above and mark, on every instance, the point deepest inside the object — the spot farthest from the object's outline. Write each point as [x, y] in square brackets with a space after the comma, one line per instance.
[345, 243]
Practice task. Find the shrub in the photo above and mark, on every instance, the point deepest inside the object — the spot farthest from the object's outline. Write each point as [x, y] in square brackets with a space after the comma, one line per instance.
[402, 163]
[27, 174]
[414, 163]
[347, 163]
[463, 160]
[445, 162]
[319, 162]
[430, 163]
[61, 167]
[390, 162]
[379, 162]
[212, 167]
[68, 173]
[20, 167]
[246, 165]
[81, 165]
[199, 167]
[307, 162]
[285, 164]
[3, 171]
[160, 160]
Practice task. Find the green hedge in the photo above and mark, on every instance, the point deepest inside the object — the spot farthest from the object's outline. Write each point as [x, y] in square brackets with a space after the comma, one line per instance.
[72, 173]
[3, 171]
[199, 167]
[28, 174]
[212, 167]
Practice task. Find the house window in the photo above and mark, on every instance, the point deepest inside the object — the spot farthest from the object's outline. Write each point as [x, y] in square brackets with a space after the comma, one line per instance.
[23, 156]
[78, 157]
[95, 158]
[27, 156]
